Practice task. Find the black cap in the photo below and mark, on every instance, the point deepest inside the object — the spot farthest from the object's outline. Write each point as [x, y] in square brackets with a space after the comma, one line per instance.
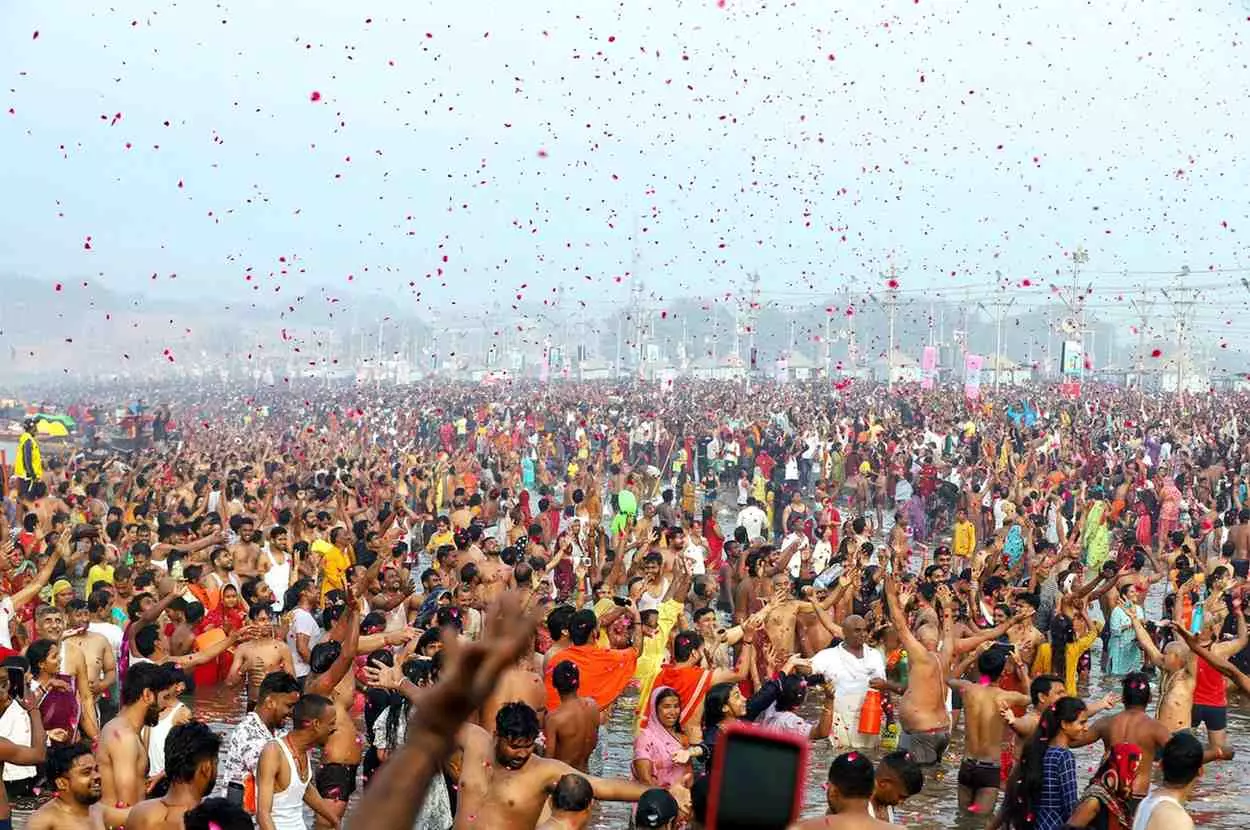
[656, 808]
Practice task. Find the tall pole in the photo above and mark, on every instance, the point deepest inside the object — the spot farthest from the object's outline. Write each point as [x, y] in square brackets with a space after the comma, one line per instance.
[617, 372]
[829, 345]
[998, 342]
[1079, 258]
[893, 300]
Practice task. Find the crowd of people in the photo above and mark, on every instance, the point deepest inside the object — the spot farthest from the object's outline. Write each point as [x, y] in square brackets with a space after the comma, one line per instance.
[430, 605]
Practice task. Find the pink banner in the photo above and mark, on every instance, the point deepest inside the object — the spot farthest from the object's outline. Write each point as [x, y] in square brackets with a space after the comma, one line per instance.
[928, 366]
[972, 376]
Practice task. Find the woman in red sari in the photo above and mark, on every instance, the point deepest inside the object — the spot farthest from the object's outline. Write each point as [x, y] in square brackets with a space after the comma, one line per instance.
[715, 541]
[229, 616]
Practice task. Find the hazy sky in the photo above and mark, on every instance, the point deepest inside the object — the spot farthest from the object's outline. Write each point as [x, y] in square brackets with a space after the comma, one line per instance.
[516, 146]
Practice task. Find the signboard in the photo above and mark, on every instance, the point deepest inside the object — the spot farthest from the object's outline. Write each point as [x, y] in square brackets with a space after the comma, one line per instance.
[928, 366]
[972, 376]
[1073, 359]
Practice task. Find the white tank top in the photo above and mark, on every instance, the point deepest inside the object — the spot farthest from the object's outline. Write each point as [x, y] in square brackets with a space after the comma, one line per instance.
[288, 806]
[1147, 807]
[156, 741]
[277, 578]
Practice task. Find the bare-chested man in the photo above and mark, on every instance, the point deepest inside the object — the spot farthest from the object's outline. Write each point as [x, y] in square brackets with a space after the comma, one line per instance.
[780, 631]
[504, 785]
[571, 731]
[246, 551]
[121, 753]
[50, 625]
[852, 780]
[191, 766]
[396, 600]
[330, 676]
[257, 658]
[1132, 726]
[94, 653]
[981, 768]
[75, 774]
[922, 712]
[520, 682]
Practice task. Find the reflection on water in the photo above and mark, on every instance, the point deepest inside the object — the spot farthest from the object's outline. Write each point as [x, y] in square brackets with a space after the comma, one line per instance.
[1219, 801]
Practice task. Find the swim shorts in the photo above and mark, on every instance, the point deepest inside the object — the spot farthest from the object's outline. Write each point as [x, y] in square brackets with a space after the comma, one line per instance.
[337, 782]
[979, 775]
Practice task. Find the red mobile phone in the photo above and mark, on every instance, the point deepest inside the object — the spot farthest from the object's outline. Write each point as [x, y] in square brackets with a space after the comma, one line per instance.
[757, 779]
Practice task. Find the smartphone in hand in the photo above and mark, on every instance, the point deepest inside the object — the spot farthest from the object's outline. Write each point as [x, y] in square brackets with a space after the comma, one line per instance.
[740, 798]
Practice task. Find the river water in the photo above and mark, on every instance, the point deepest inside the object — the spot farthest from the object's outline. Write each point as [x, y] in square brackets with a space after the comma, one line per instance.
[1220, 802]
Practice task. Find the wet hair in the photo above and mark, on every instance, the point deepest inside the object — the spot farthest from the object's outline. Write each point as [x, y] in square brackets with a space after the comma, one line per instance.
[323, 655]
[1136, 689]
[145, 677]
[516, 721]
[793, 693]
[1061, 633]
[186, 746]
[1029, 791]
[38, 652]
[277, 683]
[582, 626]
[573, 794]
[145, 640]
[1181, 759]
[259, 608]
[992, 662]
[1041, 685]
[686, 644]
[904, 765]
[851, 773]
[308, 709]
[566, 678]
[558, 620]
[61, 759]
[713, 704]
[217, 814]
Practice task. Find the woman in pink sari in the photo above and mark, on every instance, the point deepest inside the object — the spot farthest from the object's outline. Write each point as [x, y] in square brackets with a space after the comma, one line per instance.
[661, 756]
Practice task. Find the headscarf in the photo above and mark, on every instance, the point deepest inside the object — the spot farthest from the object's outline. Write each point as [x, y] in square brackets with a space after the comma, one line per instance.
[657, 744]
[1113, 783]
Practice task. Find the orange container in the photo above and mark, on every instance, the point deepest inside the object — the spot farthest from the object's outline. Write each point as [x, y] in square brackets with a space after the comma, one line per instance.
[870, 713]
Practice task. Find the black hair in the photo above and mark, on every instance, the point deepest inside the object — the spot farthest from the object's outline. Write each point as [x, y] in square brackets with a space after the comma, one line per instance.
[851, 773]
[793, 693]
[277, 683]
[904, 765]
[308, 708]
[1062, 633]
[186, 745]
[37, 652]
[259, 608]
[566, 678]
[1182, 759]
[1029, 791]
[713, 702]
[323, 655]
[1136, 689]
[558, 620]
[217, 814]
[143, 678]
[686, 644]
[573, 794]
[582, 626]
[61, 759]
[1042, 685]
[517, 721]
[992, 662]
[145, 640]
